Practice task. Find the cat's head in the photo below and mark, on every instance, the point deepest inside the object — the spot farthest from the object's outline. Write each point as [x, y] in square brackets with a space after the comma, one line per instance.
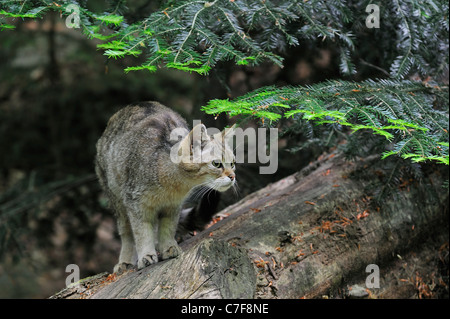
[208, 159]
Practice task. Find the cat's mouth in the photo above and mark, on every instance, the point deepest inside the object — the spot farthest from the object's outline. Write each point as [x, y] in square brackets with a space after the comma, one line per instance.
[223, 188]
[223, 185]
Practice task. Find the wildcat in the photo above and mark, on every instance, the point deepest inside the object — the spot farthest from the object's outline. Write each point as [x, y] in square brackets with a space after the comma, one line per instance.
[147, 163]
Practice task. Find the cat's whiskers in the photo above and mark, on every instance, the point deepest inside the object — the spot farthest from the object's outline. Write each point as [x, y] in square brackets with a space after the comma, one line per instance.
[198, 193]
[200, 190]
[235, 188]
[207, 187]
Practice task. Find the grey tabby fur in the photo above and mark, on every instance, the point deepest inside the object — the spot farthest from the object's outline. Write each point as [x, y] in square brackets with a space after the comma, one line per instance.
[145, 186]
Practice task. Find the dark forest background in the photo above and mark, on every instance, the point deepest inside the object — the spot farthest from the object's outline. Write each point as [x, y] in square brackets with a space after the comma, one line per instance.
[56, 94]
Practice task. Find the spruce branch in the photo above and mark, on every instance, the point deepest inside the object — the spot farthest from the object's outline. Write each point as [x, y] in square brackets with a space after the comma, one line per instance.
[377, 106]
[196, 35]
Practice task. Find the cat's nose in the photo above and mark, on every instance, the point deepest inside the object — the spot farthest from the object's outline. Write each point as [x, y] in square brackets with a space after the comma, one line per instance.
[232, 176]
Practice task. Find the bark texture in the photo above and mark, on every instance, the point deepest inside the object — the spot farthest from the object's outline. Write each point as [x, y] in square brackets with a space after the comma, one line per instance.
[308, 235]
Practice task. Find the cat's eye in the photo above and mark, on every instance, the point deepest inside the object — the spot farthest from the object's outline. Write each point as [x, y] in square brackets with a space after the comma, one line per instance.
[216, 163]
[232, 164]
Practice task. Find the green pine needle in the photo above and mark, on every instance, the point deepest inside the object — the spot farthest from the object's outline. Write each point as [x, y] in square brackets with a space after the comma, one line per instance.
[365, 106]
[110, 19]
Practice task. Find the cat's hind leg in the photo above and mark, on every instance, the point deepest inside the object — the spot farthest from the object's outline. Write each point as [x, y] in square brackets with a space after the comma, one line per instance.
[128, 249]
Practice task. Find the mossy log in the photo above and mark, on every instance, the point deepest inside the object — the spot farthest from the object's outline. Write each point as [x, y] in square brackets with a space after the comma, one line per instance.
[308, 235]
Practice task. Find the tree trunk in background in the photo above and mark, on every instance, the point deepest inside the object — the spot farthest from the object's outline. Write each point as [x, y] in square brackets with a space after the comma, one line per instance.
[310, 235]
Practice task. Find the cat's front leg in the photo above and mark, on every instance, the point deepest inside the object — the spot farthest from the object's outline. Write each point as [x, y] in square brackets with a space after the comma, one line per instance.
[143, 224]
[168, 221]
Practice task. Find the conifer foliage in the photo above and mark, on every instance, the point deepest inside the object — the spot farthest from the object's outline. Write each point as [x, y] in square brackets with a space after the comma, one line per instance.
[194, 36]
[402, 113]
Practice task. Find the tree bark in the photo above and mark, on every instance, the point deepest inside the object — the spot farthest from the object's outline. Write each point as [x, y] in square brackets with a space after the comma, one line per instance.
[309, 235]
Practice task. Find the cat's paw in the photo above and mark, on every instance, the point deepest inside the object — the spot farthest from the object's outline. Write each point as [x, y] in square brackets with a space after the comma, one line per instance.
[147, 260]
[121, 267]
[171, 252]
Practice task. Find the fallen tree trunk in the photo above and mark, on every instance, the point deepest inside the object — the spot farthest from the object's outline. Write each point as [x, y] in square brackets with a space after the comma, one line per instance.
[308, 235]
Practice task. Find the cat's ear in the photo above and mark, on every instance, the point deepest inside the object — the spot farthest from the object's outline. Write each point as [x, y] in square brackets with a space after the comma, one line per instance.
[196, 138]
[227, 134]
